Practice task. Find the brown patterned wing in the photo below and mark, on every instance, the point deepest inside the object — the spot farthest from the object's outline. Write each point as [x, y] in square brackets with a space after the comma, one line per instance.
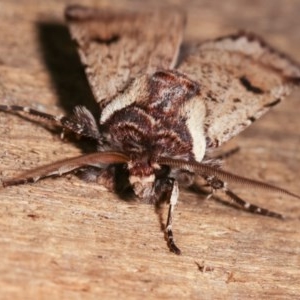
[240, 78]
[116, 48]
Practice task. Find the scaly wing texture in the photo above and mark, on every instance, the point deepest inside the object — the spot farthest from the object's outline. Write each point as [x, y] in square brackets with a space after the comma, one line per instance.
[116, 48]
[240, 78]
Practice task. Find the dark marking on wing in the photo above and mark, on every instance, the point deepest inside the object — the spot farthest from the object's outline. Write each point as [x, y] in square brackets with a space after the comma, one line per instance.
[211, 96]
[249, 87]
[271, 104]
[251, 119]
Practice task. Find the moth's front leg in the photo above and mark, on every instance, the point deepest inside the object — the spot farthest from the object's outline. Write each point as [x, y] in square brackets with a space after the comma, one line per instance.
[82, 122]
[224, 154]
[168, 192]
[101, 176]
[112, 177]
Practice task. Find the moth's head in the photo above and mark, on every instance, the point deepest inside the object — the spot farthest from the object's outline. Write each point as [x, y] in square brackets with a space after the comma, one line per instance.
[142, 186]
[142, 178]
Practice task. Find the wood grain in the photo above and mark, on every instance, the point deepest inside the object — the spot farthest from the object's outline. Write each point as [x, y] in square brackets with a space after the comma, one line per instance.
[64, 239]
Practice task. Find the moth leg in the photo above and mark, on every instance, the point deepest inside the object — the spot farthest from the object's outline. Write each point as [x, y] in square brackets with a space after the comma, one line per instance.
[227, 153]
[169, 192]
[251, 207]
[112, 177]
[101, 176]
[169, 232]
[82, 122]
[217, 184]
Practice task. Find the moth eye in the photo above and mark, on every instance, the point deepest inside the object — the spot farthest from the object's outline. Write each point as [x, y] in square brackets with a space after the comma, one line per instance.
[162, 172]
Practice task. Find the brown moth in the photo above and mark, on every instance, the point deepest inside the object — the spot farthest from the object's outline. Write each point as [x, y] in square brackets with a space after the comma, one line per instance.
[163, 109]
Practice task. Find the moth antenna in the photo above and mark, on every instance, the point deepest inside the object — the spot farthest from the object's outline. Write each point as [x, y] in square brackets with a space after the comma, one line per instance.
[67, 165]
[207, 170]
[81, 122]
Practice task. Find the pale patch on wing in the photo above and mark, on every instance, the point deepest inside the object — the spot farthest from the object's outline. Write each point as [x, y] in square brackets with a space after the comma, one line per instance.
[194, 111]
[135, 93]
[240, 78]
[118, 47]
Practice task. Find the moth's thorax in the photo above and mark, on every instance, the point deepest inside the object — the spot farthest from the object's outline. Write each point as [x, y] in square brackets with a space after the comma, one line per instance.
[160, 115]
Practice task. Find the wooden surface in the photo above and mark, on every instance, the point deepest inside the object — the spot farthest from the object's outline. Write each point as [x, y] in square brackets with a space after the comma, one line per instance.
[65, 239]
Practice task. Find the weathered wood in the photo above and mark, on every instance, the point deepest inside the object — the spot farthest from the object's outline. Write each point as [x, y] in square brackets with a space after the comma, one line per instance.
[63, 238]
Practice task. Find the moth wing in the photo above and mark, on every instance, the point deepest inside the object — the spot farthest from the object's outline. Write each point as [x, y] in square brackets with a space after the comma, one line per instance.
[116, 48]
[241, 77]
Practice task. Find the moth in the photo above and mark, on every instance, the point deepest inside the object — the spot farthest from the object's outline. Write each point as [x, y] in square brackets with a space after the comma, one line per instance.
[165, 105]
